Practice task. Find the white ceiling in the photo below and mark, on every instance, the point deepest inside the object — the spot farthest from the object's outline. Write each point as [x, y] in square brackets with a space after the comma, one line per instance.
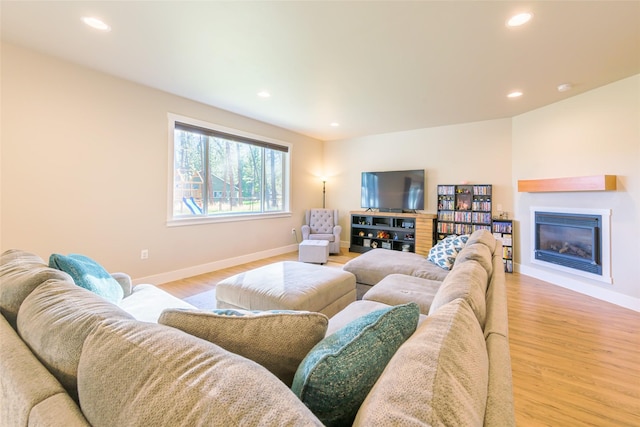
[372, 66]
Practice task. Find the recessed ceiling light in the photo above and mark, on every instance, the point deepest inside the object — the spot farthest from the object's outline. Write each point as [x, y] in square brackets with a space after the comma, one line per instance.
[519, 19]
[264, 94]
[96, 23]
[564, 87]
[514, 94]
[334, 124]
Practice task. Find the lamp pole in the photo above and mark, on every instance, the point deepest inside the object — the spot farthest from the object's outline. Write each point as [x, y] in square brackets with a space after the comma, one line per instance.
[324, 191]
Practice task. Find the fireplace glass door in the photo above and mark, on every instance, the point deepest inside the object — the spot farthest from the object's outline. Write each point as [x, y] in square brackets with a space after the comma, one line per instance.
[569, 240]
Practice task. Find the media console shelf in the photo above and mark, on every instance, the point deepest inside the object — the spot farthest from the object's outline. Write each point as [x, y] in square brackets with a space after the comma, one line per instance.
[396, 231]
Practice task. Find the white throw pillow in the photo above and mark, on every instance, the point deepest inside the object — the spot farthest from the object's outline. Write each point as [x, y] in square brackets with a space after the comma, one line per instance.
[445, 252]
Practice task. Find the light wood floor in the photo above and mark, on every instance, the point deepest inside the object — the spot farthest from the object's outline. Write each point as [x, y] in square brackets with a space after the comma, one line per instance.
[575, 359]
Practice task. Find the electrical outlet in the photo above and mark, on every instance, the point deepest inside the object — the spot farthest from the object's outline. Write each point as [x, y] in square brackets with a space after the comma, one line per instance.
[293, 231]
[144, 254]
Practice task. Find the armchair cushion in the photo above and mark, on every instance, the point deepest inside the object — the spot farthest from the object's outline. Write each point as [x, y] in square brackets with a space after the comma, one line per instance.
[321, 221]
[329, 237]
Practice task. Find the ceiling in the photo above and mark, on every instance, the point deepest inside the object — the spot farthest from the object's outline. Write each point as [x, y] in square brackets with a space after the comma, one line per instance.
[372, 66]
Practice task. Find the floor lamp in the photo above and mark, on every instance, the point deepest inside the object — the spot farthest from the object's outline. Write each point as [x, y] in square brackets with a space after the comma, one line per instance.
[324, 191]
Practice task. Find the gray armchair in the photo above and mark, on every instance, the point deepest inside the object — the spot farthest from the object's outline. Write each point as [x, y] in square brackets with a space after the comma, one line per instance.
[322, 224]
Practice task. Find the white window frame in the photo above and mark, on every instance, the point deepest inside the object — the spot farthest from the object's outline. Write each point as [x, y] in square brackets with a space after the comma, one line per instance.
[228, 217]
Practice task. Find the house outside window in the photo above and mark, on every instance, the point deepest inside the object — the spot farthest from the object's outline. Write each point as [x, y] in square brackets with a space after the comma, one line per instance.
[221, 173]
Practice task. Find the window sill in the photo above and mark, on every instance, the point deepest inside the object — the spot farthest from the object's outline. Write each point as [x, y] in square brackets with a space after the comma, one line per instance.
[200, 220]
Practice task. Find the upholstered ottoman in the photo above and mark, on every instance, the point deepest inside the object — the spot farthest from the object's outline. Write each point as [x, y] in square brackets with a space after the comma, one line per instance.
[316, 251]
[396, 289]
[288, 285]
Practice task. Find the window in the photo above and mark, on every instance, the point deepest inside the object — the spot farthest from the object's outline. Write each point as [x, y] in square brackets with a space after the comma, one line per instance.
[219, 172]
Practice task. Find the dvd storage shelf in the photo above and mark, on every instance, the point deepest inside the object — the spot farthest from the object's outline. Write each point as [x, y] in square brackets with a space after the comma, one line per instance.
[503, 230]
[395, 231]
[463, 209]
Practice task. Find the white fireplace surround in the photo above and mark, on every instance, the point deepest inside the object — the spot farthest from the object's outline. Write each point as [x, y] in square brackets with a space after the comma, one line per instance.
[605, 214]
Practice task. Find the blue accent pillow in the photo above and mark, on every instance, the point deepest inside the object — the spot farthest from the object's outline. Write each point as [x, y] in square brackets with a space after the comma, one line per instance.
[88, 274]
[335, 377]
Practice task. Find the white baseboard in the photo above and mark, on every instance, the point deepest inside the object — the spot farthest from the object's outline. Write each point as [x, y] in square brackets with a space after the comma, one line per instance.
[581, 287]
[170, 276]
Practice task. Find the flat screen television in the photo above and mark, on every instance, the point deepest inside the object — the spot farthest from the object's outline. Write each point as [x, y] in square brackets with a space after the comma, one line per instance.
[394, 191]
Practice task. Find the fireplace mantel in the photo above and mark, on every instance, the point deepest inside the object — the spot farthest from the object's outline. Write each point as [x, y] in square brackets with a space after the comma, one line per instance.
[579, 183]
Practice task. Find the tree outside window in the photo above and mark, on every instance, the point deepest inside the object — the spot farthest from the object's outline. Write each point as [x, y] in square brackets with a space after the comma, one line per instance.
[216, 173]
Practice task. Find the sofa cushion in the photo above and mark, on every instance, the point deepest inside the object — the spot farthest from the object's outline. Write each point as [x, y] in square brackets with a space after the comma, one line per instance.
[55, 319]
[21, 272]
[88, 274]
[147, 302]
[439, 376]
[57, 411]
[20, 256]
[165, 377]
[484, 237]
[277, 340]
[496, 297]
[468, 281]
[374, 265]
[353, 311]
[500, 409]
[430, 271]
[478, 252]
[335, 377]
[26, 387]
[396, 289]
[444, 253]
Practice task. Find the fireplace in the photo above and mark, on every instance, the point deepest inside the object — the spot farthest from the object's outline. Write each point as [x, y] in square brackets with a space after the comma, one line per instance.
[573, 241]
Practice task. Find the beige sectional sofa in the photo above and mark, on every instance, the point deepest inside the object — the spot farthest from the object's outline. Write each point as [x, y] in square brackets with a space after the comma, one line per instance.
[437, 369]
[70, 358]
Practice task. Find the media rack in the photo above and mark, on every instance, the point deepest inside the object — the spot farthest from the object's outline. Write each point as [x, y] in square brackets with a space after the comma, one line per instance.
[408, 232]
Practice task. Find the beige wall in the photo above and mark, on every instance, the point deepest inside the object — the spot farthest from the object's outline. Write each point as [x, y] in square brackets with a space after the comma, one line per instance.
[597, 132]
[85, 169]
[479, 153]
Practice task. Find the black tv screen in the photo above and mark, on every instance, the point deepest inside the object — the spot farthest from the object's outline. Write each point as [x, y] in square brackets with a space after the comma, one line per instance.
[393, 190]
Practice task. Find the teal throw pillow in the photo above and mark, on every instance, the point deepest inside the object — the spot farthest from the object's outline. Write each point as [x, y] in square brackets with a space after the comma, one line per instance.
[88, 274]
[335, 377]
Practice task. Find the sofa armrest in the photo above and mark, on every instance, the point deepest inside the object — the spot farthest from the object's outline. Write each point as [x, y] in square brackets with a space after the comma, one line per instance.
[306, 231]
[125, 281]
[337, 230]
[29, 392]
